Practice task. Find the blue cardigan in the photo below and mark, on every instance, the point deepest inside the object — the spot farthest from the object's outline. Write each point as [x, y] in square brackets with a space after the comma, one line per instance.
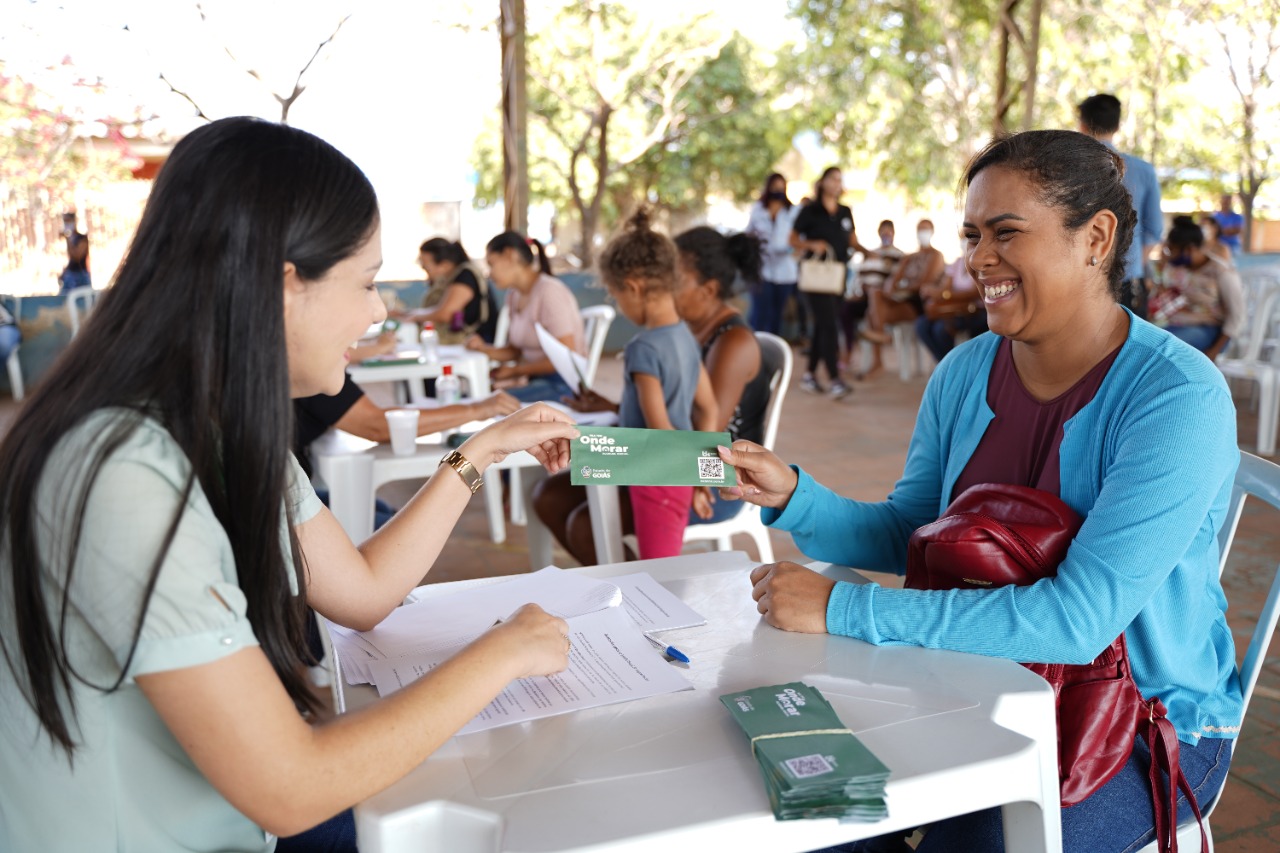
[1148, 463]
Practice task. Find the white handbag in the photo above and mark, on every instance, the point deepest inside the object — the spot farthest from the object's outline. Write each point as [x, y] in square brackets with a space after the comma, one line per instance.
[822, 274]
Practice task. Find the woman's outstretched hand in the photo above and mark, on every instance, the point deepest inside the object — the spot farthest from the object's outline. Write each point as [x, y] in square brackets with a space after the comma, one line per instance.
[791, 597]
[763, 478]
[540, 429]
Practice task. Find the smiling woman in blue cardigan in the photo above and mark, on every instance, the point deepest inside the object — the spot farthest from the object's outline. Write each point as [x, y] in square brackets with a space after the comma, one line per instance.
[1072, 394]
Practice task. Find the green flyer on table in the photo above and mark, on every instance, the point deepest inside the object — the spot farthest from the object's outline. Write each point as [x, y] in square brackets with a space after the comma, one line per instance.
[619, 456]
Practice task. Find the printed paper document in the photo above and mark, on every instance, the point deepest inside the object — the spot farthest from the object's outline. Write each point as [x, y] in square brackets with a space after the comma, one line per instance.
[610, 661]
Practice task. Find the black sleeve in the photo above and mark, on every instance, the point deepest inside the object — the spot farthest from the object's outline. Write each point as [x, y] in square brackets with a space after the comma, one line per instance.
[468, 278]
[804, 221]
[471, 312]
[316, 414]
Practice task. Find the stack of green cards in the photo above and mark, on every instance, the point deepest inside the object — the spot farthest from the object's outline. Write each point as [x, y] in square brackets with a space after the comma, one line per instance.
[618, 456]
[813, 766]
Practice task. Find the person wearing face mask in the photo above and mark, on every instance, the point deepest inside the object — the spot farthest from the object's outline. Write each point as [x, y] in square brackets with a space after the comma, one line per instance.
[1198, 297]
[877, 266]
[900, 301]
[770, 222]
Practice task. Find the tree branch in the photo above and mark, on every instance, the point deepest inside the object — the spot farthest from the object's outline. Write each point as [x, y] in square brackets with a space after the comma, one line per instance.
[189, 99]
[298, 88]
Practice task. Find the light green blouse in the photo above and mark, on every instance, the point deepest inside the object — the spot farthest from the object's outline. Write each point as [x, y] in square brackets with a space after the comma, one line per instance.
[130, 787]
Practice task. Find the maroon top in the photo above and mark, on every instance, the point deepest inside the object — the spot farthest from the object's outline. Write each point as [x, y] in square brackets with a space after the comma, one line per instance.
[1020, 446]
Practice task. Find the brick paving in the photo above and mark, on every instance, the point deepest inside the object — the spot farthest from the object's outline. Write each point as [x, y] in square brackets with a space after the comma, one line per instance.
[859, 445]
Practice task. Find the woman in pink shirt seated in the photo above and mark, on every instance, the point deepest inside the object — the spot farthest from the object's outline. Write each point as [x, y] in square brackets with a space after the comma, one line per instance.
[520, 266]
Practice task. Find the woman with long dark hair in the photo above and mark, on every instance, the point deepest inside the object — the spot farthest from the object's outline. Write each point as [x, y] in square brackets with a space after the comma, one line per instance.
[160, 544]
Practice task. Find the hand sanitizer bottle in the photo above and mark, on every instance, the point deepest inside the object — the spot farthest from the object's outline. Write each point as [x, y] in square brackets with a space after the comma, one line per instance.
[429, 342]
[448, 388]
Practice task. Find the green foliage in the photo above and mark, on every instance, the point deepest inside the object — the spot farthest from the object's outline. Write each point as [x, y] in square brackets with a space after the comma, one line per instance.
[38, 135]
[896, 83]
[730, 139]
[621, 114]
[909, 85]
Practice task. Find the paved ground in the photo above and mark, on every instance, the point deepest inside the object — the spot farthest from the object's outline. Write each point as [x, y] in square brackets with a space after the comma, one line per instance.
[858, 446]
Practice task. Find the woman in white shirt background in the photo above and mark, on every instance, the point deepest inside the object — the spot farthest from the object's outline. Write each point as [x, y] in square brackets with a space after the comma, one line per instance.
[771, 218]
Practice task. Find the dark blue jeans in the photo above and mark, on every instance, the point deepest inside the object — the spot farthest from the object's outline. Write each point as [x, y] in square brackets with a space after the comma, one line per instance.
[1200, 337]
[1118, 818]
[939, 336]
[335, 835]
[71, 279]
[548, 387]
[769, 304]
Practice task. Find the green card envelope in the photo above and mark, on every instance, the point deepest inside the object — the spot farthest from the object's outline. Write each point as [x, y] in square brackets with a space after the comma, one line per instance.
[813, 766]
[618, 456]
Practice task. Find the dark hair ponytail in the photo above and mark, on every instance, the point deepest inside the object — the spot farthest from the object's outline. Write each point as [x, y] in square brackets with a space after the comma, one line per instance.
[526, 247]
[1076, 175]
[192, 335]
[444, 251]
[639, 253]
[1185, 233]
[715, 257]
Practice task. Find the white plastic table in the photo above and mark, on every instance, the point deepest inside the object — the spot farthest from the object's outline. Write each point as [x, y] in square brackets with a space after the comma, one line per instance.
[467, 364]
[353, 468]
[958, 732]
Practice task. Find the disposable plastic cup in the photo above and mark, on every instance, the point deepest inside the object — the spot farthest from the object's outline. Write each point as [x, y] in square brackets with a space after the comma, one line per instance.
[403, 424]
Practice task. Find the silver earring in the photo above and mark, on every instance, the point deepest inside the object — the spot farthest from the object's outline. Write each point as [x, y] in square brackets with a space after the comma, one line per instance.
[1093, 262]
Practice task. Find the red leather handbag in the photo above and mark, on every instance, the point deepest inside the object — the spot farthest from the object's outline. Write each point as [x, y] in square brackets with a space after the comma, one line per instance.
[994, 535]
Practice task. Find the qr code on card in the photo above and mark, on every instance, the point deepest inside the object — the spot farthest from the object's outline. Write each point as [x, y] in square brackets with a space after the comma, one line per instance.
[807, 766]
[710, 468]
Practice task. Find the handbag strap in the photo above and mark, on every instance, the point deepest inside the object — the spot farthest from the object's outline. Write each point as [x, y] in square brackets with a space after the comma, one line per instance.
[1162, 741]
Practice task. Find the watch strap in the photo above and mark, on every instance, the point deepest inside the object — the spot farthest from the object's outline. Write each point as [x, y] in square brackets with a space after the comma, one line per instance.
[465, 469]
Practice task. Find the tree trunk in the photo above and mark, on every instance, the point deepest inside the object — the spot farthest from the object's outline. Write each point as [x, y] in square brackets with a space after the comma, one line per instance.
[591, 216]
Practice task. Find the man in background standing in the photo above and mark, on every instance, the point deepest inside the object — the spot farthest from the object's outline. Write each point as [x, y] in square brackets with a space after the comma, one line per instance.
[1100, 118]
[76, 273]
[1230, 224]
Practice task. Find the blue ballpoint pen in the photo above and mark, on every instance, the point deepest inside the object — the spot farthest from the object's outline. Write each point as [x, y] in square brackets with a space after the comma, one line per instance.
[670, 651]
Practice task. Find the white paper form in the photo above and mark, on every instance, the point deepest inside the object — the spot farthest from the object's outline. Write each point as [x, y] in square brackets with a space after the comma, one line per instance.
[654, 607]
[609, 662]
[448, 621]
[571, 366]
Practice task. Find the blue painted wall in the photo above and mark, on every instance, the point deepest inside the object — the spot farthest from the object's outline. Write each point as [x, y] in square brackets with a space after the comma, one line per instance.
[46, 329]
[585, 286]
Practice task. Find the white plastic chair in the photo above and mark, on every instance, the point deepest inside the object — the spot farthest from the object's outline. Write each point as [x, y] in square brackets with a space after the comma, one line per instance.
[1261, 479]
[775, 351]
[1254, 364]
[596, 320]
[80, 301]
[15, 375]
[913, 358]
[13, 364]
[503, 326]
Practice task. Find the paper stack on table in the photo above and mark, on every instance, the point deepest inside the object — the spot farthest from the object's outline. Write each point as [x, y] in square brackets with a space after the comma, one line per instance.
[813, 766]
[611, 660]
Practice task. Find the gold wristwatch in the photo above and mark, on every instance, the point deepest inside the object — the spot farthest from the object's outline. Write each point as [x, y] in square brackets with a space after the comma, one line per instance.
[465, 469]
